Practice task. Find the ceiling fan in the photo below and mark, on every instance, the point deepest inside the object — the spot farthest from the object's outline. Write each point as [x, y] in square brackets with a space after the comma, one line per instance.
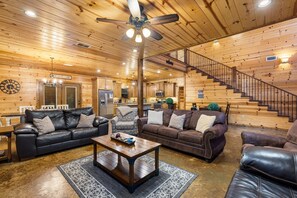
[140, 23]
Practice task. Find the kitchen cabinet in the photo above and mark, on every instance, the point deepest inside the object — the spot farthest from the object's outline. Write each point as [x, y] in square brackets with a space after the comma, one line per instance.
[104, 83]
[151, 90]
[170, 89]
[159, 86]
[133, 91]
[117, 90]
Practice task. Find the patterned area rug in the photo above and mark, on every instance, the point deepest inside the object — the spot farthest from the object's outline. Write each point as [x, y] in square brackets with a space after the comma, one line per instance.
[90, 181]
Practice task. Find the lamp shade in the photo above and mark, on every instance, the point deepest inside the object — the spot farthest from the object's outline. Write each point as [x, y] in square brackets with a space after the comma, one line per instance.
[130, 32]
[138, 38]
[146, 32]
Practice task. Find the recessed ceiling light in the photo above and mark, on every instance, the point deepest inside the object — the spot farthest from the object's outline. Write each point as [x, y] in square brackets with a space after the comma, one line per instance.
[98, 70]
[158, 71]
[264, 3]
[143, 67]
[216, 41]
[170, 74]
[30, 13]
[123, 63]
[118, 73]
[134, 50]
[67, 64]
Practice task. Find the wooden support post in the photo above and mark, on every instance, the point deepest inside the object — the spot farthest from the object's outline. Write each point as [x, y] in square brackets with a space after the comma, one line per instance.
[140, 81]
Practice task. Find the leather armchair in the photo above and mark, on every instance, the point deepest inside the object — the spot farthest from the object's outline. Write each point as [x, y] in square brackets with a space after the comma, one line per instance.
[289, 143]
[265, 172]
[125, 122]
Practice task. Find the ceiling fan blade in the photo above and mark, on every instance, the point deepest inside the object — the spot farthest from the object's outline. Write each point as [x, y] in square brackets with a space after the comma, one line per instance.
[111, 21]
[156, 35]
[134, 8]
[163, 19]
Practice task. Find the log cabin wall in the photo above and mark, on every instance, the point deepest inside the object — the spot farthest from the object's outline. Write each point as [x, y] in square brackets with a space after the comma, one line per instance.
[247, 51]
[28, 79]
[242, 111]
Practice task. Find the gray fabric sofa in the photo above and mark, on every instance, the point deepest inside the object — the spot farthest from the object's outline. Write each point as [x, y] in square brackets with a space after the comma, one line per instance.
[207, 145]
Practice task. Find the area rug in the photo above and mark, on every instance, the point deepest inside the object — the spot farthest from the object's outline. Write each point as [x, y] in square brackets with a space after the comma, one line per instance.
[90, 181]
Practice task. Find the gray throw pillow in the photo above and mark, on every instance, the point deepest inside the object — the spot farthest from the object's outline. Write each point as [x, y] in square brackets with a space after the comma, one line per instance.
[177, 121]
[86, 121]
[44, 125]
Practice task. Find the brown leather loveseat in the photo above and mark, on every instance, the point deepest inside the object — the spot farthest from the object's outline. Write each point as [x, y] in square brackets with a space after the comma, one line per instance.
[207, 145]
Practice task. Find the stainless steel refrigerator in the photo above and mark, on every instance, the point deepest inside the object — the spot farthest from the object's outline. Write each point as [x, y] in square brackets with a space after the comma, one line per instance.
[105, 103]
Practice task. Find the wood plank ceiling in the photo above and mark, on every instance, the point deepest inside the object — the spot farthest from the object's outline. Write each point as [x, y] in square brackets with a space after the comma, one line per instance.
[61, 24]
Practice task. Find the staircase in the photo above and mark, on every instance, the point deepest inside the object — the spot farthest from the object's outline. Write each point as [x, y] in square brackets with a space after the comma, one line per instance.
[266, 95]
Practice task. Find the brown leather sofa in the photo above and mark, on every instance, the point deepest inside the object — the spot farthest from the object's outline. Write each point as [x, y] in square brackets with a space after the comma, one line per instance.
[207, 145]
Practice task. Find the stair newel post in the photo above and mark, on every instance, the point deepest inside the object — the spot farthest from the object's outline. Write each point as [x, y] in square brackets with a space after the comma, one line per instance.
[234, 77]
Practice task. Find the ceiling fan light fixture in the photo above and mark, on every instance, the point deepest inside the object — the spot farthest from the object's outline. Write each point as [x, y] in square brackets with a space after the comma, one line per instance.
[138, 38]
[146, 32]
[130, 33]
[264, 3]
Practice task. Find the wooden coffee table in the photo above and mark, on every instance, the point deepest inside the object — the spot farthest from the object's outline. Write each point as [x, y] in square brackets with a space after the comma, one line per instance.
[131, 172]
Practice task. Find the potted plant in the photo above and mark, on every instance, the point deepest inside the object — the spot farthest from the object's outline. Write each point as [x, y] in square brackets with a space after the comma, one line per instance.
[213, 106]
[170, 103]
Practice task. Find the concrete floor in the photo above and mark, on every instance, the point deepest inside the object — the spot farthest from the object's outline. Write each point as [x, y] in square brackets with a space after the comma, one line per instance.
[39, 177]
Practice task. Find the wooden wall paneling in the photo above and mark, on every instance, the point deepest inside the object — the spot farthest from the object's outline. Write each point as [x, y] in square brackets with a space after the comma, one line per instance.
[247, 51]
[95, 96]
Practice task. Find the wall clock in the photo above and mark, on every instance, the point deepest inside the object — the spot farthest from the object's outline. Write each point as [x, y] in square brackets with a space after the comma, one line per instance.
[10, 86]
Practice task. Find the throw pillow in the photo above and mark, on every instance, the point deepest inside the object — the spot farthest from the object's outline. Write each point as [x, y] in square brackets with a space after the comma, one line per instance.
[177, 121]
[44, 125]
[205, 122]
[155, 117]
[86, 121]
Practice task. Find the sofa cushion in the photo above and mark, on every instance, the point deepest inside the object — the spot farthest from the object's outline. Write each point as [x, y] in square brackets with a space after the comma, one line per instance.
[292, 133]
[153, 128]
[86, 121]
[155, 117]
[54, 137]
[56, 116]
[166, 115]
[72, 116]
[127, 125]
[44, 125]
[80, 133]
[187, 118]
[204, 123]
[168, 132]
[220, 117]
[191, 136]
[177, 122]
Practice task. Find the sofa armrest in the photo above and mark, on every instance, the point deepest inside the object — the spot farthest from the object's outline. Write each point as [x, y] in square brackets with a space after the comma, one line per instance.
[277, 164]
[216, 131]
[25, 128]
[262, 140]
[140, 122]
[99, 120]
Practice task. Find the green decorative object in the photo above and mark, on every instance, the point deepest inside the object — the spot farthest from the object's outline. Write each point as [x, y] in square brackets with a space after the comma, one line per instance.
[169, 100]
[213, 106]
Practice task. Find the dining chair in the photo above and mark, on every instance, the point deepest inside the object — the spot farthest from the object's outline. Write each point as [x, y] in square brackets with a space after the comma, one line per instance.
[47, 107]
[23, 108]
[63, 106]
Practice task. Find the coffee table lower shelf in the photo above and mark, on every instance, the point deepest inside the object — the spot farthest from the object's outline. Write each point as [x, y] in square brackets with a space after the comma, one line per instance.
[121, 169]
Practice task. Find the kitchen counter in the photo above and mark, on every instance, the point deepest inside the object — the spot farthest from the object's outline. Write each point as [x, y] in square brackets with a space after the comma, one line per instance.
[132, 104]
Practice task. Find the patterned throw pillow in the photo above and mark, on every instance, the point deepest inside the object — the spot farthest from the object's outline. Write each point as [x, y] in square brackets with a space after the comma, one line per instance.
[44, 125]
[155, 117]
[205, 122]
[86, 121]
[177, 121]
